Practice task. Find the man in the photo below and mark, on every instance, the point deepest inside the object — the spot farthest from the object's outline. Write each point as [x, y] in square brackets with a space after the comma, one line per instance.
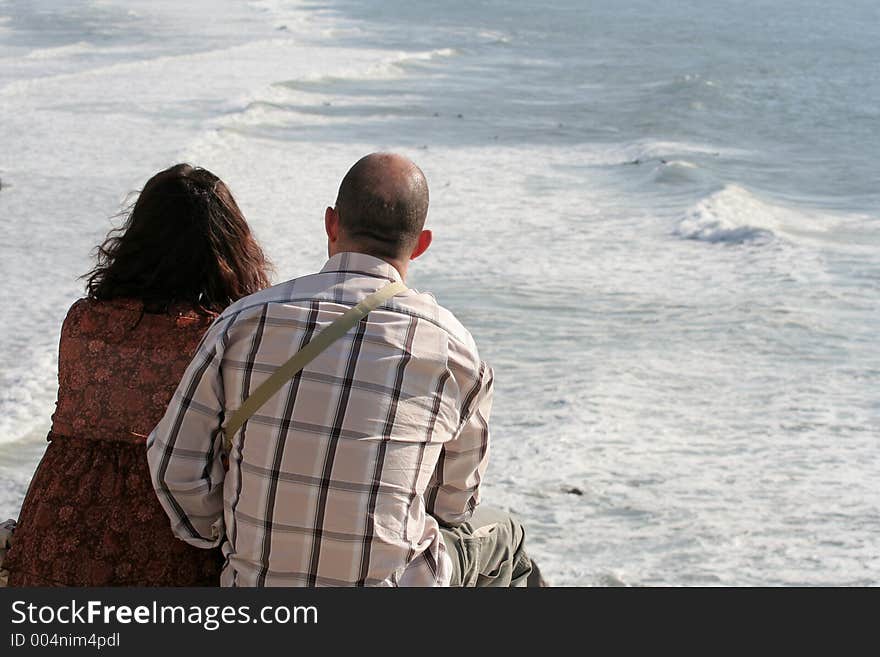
[347, 474]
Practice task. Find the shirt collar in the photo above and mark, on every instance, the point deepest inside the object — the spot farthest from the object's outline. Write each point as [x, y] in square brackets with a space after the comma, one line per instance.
[361, 263]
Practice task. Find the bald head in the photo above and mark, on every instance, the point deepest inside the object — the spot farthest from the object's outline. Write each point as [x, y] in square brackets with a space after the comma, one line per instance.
[382, 205]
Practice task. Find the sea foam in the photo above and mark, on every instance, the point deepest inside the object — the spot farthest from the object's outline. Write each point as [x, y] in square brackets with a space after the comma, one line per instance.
[735, 215]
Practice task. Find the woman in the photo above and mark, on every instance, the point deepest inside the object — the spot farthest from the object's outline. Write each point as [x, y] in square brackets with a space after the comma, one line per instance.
[91, 517]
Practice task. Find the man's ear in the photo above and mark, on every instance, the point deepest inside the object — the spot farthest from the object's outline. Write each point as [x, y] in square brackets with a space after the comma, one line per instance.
[331, 224]
[425, 238]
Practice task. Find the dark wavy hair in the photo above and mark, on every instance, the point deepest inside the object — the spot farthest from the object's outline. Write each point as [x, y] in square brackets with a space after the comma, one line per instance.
[184, 240]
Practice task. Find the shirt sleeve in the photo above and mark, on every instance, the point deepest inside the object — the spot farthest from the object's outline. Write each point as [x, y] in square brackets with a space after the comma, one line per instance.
[454, 492]
[183, 451]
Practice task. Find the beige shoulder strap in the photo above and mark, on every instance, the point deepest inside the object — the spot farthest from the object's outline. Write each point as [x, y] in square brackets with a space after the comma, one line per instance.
[305, 356]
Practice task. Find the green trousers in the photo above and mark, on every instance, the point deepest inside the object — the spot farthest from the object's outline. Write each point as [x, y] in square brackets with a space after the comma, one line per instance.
[488, 550]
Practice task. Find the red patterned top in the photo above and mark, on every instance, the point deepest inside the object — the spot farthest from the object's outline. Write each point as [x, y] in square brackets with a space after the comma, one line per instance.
[91, 517]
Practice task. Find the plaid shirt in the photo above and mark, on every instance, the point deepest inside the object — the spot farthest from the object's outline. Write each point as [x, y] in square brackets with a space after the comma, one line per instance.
[341, 477]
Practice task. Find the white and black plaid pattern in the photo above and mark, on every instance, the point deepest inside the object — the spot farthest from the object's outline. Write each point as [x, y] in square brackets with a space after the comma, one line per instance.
[341, 477]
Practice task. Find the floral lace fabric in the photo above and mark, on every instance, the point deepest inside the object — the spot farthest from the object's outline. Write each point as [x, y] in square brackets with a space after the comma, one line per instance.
[91, 517]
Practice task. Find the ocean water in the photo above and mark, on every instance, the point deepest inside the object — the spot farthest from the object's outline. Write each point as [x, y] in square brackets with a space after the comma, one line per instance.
[661, 221]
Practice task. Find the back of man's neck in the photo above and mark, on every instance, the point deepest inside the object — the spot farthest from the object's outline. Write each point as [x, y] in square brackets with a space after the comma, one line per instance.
[400, 266]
